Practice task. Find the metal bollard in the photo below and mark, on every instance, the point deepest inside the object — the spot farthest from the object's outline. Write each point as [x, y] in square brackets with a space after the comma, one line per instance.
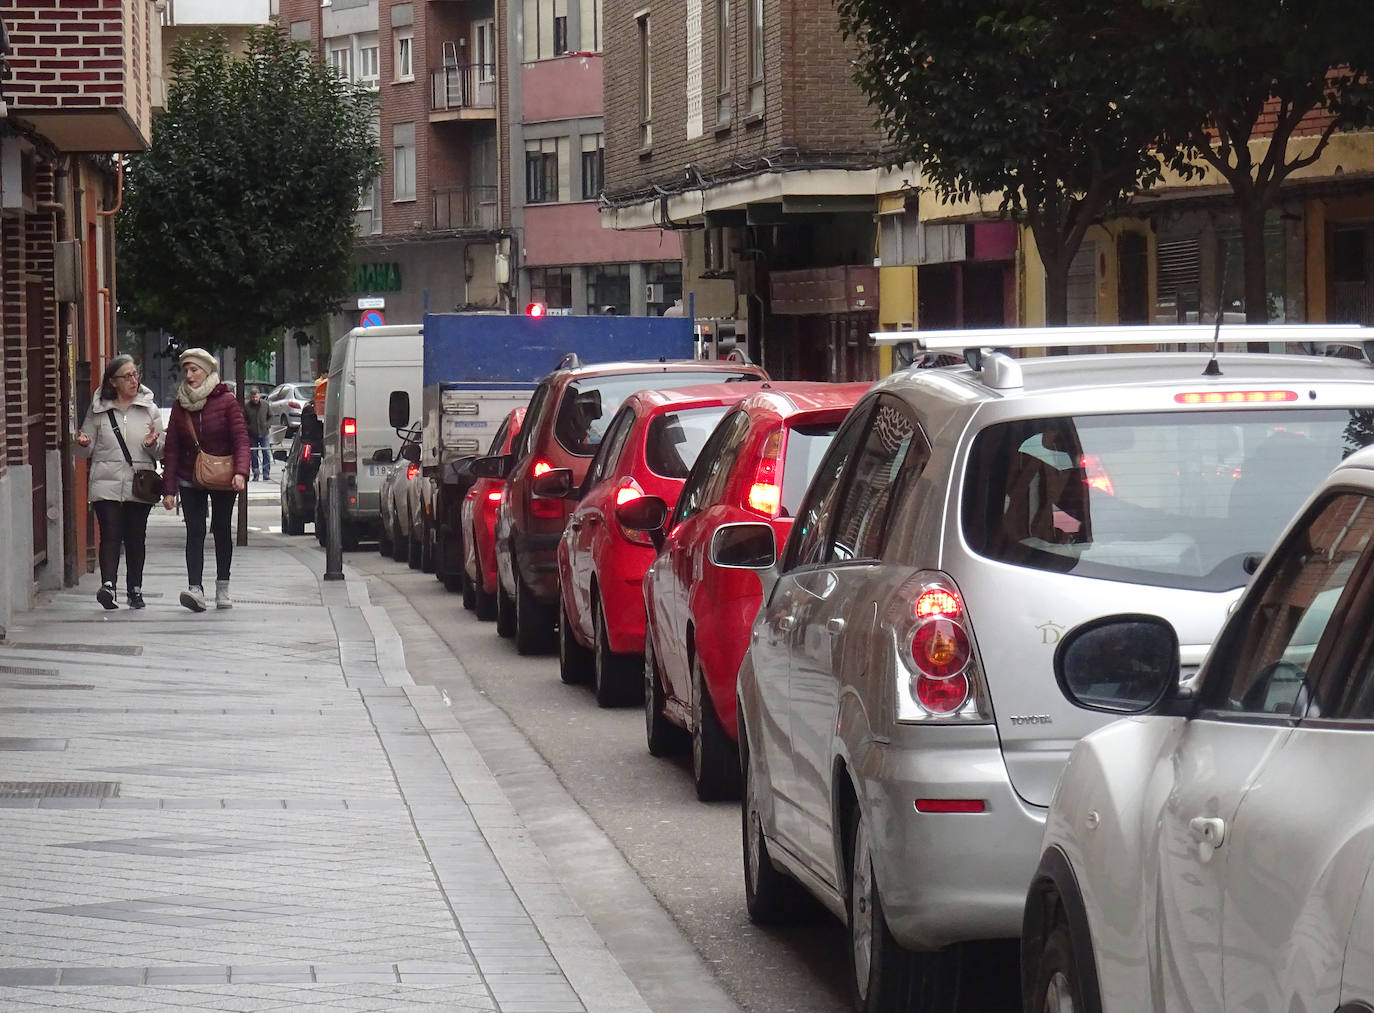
[333, 548]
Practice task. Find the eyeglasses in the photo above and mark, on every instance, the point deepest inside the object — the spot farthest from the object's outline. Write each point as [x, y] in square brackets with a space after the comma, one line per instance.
[126, 376]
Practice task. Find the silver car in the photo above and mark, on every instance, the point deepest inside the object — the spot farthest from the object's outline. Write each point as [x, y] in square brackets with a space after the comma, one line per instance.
[286, 402]
[901, 732]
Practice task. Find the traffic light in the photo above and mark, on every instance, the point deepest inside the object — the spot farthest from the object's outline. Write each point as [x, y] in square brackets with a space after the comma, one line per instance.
[535, 309]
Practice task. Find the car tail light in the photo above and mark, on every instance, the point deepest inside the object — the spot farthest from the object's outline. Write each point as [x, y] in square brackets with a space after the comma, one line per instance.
[348, 445]
[305, 452]
[300, 487]
[627, 492]
[935, 648]
[293, 404]
[1235, 396]
[1096, 474]
[541, 467]
[494, 496]
[765, 492]
[412, 471]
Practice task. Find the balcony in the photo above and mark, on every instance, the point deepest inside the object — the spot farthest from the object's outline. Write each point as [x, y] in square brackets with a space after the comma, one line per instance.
[465, 207]
[463, 91]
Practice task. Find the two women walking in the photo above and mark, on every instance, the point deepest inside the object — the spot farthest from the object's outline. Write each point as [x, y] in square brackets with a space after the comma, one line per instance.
[123, 435]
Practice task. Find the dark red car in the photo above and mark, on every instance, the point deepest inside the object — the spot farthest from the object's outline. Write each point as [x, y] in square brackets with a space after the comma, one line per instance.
[479, 526]
[648, 450]
[756, 466]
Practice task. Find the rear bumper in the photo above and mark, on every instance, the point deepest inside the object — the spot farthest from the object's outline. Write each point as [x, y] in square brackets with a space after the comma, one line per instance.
[536, 562]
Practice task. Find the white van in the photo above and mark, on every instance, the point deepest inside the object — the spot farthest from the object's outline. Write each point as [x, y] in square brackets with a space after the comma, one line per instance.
[365, 366]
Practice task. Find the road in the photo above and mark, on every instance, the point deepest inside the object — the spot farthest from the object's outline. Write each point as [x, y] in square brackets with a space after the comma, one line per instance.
[685, 852]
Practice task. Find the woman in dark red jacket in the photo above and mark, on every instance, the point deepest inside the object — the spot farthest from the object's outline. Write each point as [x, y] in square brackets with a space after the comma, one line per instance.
[207, 413]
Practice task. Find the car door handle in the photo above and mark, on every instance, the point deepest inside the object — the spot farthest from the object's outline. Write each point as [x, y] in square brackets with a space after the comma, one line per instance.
[834, 626]
[787, 622]
[1208, 829]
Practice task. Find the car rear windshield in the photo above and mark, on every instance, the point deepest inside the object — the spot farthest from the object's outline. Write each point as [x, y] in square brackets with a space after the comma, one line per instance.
[591, 402]
[673, 441]
[802, 453]
[1176, 499]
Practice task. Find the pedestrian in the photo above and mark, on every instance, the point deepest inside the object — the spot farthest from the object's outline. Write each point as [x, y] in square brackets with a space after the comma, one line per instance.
[206, 422]
[121, 434]
[257, 414]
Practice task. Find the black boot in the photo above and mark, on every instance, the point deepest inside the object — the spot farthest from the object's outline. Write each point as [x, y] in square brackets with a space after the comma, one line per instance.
[106, 595]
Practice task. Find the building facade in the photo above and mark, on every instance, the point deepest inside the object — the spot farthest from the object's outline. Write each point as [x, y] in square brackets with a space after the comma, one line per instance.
[77, 92]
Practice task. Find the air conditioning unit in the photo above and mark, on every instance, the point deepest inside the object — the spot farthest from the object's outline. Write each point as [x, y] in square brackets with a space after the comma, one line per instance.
[653, 292]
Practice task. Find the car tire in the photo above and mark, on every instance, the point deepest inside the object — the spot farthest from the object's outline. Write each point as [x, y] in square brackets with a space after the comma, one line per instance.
[413, 551]
[883, 976]
[770, 895]
[290, 523]
[400, 547]
[662, 736]
[320, 533]
[483, 603]
[534, 621]
[426, 546]
[384, 541]
[715, 759]
[616, 678]
[505, 611]
[575, 662]
[459, 582]
[1057, 988]
[349, 535]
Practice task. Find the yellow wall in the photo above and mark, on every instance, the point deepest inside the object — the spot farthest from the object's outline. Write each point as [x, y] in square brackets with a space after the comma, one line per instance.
[896, 306]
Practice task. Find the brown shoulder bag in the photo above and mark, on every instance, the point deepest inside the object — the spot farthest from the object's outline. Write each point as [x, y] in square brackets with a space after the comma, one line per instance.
[212, 471]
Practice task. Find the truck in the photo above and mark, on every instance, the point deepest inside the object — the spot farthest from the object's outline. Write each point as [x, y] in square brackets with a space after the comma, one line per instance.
[477, 367]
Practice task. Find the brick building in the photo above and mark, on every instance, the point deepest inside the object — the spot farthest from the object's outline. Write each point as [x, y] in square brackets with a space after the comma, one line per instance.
[76, 90]
[736, 123]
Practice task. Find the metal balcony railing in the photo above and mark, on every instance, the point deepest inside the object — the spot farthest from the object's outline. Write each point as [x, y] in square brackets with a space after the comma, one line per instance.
[465, 207]
[464, 86]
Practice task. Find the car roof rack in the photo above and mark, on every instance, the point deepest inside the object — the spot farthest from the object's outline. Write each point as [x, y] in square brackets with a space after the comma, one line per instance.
[569, 361]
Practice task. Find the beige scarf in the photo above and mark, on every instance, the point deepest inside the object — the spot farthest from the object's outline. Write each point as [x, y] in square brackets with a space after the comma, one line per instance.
[193, 398]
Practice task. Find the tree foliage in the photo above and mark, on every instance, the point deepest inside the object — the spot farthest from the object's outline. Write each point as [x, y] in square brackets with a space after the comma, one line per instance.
[238, 219]
[1051, 104]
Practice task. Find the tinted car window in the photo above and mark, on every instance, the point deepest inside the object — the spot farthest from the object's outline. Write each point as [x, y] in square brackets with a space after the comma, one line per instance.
[1262, 663]
[807, 542]
[861, 523]
[499, 440]
[1175, 499]
[538, 402]
[674, 440]
[589, 403]
[609, 453]
[712, 468]
[801, 455]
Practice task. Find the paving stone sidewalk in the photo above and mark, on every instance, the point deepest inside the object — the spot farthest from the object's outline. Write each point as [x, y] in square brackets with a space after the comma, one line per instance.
[258, 809]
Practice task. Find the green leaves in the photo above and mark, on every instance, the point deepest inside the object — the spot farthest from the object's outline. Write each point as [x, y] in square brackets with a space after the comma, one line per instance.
[238, 220]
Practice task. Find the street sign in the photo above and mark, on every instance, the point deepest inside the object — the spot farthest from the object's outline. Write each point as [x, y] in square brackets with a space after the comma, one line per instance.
[372, 318]
[371, 302]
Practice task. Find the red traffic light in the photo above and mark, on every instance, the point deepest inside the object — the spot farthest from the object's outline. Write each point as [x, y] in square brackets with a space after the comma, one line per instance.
[535, 309]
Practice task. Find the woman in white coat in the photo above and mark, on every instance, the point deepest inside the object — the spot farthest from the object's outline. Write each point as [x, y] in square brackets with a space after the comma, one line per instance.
[122, 404]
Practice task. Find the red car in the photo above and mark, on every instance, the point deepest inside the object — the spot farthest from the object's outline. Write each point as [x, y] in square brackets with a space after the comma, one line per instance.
[479, 527]
[756, 465]
[647, 451]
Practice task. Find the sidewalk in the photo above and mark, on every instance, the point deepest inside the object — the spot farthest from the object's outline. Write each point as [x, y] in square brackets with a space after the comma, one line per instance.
[258, 809]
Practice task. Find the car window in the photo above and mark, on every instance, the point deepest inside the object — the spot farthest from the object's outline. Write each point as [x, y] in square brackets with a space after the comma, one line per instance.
[861, 522]
[802, 453]
[1262, 660]
[538, 401]
[808, 542]
[499, 440]
[707, 479]
[675, 439]
[604, 464]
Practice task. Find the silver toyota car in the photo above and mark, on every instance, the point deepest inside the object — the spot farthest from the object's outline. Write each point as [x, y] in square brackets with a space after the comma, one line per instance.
[901, 731]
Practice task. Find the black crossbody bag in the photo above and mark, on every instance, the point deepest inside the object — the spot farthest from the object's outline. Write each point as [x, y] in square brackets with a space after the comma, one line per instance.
[147, 482]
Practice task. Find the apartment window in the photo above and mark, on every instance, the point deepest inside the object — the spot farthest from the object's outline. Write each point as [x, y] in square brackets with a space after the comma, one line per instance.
[593, 165]
[756, 56]
[646, 107]
[403, 162]
[369, 64]
[560, 35]
[608, 289]
[725, 68]
[551, 286]
[368, 219]
[545, 29]
[405, 55]
[541, 171]
[341, 62]
[589, 40]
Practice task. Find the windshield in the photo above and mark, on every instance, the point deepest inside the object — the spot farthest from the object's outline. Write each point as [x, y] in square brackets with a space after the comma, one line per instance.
[1176, 499]
[590, 403]
[674, 440]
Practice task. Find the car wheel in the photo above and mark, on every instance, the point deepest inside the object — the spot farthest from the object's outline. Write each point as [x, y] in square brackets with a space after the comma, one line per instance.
[290, 523]
[715, 759]
[320, 533]
[1058, 987]
[400, 546]
[349, 535]
[664, 738]
[464, 585]
[384, 546]
[770, 895]
[505, 611]
[413, 551]
[533, 621]
[483, 603]
[426, 546]
[616, 678]
[574, 661]
[285, 529]
[883, 975]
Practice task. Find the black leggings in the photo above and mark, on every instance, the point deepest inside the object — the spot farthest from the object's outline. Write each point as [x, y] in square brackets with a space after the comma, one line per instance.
[194, 505]
[122, 524]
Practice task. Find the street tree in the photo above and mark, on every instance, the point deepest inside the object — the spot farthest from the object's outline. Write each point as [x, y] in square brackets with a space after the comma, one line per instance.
[1052, 105]
[238, 221]
[1257, 90]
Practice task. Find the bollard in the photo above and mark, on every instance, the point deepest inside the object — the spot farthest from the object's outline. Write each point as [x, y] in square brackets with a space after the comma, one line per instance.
[333, 548]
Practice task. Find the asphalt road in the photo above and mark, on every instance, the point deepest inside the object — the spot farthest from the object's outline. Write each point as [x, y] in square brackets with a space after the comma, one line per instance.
[685, 852]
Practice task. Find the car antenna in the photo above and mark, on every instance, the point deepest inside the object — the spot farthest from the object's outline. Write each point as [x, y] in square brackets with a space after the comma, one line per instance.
[1213, 368]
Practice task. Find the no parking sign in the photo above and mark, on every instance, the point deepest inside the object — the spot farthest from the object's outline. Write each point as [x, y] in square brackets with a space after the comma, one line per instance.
[372, 318]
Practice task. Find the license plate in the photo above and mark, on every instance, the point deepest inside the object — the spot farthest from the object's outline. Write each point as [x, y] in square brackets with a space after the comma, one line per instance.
[380, 469]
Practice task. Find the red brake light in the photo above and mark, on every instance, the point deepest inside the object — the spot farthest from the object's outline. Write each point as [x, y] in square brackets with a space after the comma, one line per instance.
[494, 496]
[626, 493]
[348, 445]
[293, 404]
[349, 427]
[541, 467]
[938, 601]
[412, 471]
[1235, 396]
[765, 492]
[305, 452]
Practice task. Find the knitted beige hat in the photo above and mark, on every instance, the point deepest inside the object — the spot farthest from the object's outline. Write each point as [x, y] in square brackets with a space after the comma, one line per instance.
[201, 358]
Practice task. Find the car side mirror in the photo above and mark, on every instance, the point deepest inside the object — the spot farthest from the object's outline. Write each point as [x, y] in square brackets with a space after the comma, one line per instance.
[644, 513]
[279, 455]
[382, 455]
[748, 546]
[411, 452]
[1118, 664]
[496, 466]
[554, 484]
[398, 409]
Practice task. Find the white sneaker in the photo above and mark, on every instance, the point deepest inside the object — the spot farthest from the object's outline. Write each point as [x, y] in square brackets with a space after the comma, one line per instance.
[194, 598]
[222, 599]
